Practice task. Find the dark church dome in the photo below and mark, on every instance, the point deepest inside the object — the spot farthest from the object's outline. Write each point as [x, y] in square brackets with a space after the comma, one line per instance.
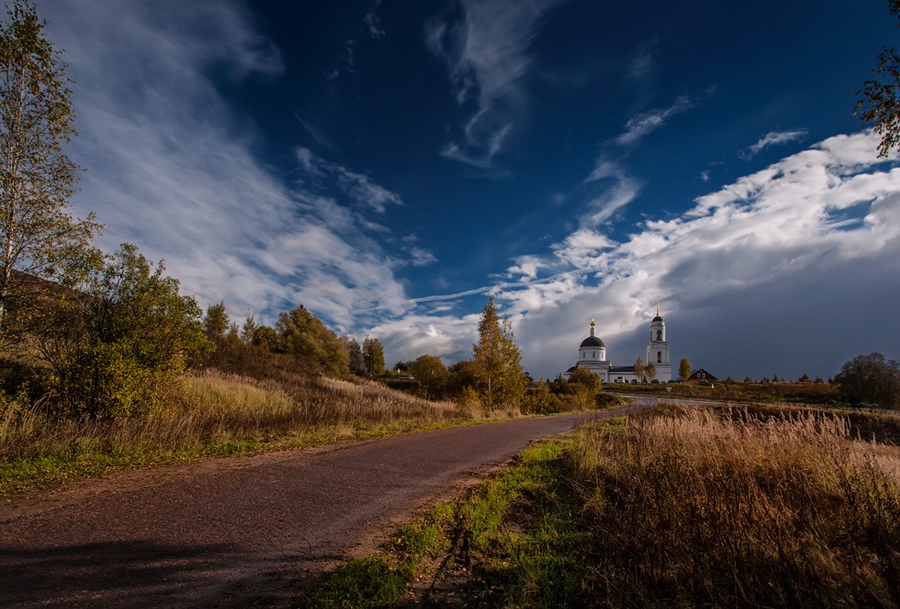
[592, 341]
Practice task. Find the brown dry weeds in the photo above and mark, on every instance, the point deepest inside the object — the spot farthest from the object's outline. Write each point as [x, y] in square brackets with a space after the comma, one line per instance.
[700, 509]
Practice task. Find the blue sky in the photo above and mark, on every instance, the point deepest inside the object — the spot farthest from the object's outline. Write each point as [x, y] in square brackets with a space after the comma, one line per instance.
[391, 164]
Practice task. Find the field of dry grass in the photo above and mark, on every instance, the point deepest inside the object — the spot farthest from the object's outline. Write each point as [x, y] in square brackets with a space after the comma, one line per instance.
[692, 508]
[738, 391]
[209, 413]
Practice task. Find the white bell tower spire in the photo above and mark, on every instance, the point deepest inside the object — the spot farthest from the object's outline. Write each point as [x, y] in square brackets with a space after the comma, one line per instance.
[658, 348]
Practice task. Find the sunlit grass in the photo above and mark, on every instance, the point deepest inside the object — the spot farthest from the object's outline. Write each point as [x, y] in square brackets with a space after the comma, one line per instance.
[209, 413]
[688, 506]
[677, 507]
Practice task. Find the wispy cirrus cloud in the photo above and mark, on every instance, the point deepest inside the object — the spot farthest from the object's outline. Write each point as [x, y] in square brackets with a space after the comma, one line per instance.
[373, 22]
[643, 62]
[172, 169]
[486, 52]
[773, 138]
[623, 190]
[644, 123]
[314, 131]
[360, 188]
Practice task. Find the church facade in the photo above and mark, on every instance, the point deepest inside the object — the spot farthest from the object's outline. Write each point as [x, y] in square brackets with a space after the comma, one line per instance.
[592, 355]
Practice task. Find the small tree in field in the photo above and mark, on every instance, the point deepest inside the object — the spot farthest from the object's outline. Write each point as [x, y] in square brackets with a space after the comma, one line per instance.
[584, 377]
[870, 378]
[684, 369]
[431, 375]
[639, 368]
[357, 362]
[37, 236]
[373, 356]
[651, 372]
[216, 322]
[249, 328]
[498, 361]
[317, 348]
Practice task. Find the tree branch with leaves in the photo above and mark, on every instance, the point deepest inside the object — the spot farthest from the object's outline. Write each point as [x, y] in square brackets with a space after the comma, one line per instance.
[879, 101]
[38, 237]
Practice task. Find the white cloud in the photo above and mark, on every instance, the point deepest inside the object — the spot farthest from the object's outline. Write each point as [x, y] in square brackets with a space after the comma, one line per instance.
[642, 64]
[421, 256]
[373, 22]
[171, 168]
[487, 57]
[583, 248]
[355, 185]
[772, 138]
[644, 123]
[610, 199]
[795, 267]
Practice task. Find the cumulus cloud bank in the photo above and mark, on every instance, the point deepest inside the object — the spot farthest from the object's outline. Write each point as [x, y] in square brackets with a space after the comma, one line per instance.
[761, 270]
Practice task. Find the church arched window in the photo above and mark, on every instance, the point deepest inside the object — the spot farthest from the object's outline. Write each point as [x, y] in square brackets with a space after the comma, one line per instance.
[659, 357]
[593, 355]
[659, 335]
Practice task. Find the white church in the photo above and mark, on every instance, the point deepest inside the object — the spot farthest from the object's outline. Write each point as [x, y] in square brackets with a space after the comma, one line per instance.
[592, 355]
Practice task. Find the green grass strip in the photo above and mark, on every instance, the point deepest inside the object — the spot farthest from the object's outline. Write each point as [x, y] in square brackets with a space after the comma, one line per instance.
[516, 540]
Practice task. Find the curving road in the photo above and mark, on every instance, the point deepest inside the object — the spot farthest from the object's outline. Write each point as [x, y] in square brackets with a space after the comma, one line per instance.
[237, 537]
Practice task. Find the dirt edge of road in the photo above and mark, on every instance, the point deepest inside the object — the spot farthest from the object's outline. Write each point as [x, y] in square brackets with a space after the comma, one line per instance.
[306, 573]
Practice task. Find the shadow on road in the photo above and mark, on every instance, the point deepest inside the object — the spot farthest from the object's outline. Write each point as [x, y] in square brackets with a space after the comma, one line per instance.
[133, 573]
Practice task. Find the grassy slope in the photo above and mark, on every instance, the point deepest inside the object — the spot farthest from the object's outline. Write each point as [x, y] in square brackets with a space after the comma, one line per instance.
[679, 507]
[211, 414]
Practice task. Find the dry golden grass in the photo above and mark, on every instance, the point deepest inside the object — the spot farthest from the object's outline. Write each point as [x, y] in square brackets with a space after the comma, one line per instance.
[210, 413]
[689, 508]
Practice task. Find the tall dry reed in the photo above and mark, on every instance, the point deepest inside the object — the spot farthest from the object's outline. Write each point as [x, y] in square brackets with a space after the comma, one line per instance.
[688, 508]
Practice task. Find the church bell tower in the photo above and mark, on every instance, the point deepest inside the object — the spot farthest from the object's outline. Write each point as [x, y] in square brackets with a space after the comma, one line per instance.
[658, 348]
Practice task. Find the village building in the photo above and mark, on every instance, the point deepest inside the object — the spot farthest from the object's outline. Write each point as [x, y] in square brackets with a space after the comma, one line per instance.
[592, 355]
[700, 375]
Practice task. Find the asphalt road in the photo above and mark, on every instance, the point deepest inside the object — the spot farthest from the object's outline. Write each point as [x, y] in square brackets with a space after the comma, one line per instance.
[236, 537]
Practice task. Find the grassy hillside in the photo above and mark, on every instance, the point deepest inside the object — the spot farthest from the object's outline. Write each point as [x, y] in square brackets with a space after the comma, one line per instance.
[208, 413]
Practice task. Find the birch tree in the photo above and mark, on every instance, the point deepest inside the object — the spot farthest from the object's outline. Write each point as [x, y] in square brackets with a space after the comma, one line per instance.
[37, 234]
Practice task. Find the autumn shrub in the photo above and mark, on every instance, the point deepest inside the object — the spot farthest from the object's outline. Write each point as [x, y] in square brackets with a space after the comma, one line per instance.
[113, 345]
[687, 508]
[539, 400]
[469, 402]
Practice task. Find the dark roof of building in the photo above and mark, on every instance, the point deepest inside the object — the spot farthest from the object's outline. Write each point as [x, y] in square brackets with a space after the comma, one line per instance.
[571, 369]
[628, 369]
[592, 341]
[657, 318]
[701, 374]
